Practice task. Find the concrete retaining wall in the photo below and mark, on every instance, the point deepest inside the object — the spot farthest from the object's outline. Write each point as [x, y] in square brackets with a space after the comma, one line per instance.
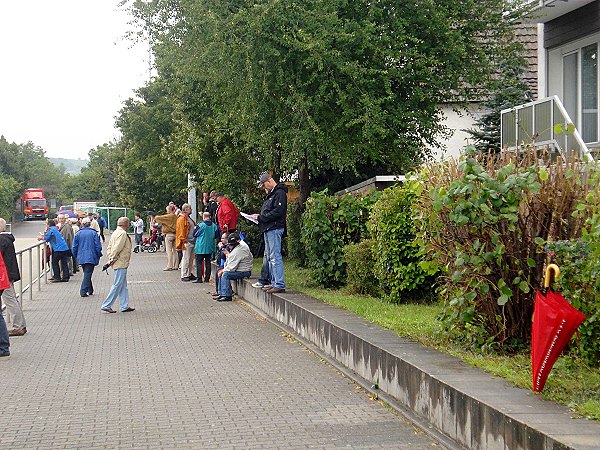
[474, 409]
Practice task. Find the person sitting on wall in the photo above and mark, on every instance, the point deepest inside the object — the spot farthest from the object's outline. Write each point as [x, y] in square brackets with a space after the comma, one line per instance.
[238, 265]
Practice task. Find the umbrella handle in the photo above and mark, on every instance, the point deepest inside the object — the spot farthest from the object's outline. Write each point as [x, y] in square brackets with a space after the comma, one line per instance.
[549, 277]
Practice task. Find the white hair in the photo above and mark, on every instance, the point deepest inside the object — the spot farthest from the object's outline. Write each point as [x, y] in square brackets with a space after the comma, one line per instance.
[2, 224]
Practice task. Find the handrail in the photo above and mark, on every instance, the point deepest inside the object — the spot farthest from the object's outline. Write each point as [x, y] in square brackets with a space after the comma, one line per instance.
[534, 123]
[41, 248]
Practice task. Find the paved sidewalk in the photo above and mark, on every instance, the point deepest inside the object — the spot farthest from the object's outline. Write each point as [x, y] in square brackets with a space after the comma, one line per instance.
[182, 371]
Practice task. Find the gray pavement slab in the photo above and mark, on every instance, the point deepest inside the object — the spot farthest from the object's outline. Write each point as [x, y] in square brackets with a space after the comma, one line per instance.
[182, 371]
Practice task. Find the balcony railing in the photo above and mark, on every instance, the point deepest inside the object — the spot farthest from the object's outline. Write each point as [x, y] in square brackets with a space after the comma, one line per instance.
[534, 124]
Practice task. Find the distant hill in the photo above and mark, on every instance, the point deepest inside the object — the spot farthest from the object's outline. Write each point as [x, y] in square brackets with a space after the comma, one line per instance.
[72, 166]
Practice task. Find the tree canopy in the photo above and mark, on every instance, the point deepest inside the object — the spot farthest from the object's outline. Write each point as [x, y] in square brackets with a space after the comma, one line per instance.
[310, 89]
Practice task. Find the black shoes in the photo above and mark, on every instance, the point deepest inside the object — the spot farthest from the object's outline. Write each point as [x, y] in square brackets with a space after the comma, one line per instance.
[186, 279]
[192, 276]
[222, 298]
[4, 354]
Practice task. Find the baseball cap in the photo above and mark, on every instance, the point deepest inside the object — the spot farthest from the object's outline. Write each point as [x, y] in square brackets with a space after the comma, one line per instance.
[264, 177]
[86, 220]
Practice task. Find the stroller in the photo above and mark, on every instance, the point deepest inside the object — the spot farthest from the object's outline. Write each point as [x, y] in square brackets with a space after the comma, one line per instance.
[152, 243]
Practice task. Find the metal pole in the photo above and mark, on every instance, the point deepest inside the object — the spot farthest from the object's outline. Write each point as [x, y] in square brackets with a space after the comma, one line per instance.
[40, 265]
[21, 280]
[30, 275]
[192, 196]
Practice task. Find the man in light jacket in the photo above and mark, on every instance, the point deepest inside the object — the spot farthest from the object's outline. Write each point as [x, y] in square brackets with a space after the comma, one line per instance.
[87, 249]
[119, 253]
[169, 226]
[238, 265]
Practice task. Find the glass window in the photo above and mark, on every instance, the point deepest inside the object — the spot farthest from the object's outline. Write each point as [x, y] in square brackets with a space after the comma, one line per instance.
[589, 93]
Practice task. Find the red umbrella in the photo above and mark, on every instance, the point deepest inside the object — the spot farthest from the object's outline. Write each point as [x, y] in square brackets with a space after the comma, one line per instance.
[554, 323]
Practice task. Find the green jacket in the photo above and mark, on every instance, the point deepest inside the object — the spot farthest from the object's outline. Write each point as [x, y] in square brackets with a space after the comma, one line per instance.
[205, 238]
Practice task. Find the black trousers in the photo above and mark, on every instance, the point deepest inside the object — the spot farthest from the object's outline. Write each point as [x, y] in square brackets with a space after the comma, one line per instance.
[60, 260]
[203, 260]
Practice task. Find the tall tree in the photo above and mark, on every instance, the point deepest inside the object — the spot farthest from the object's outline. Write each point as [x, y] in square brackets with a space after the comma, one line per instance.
[316, 87]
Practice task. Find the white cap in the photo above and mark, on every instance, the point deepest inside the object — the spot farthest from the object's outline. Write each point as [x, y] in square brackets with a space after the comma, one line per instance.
[85, 220]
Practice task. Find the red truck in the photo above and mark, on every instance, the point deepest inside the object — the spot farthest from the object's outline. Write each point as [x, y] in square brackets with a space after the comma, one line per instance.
[33, 204]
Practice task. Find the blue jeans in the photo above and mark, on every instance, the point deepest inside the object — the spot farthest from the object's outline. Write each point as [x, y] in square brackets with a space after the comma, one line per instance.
[138, 239]
[86, 283]
[225, 283]
[118, 289]
[4, 342]
[273, 252]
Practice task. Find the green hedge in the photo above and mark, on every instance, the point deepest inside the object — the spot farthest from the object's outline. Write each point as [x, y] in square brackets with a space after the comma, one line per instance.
[328, 224]
[403, 272]
[360, 268]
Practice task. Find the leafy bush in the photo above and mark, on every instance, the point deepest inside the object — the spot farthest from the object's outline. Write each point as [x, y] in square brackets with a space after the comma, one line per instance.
[484, 220]
[294, 230]
[579, 283]
[328, 224]
[360, 263]
[402, 271]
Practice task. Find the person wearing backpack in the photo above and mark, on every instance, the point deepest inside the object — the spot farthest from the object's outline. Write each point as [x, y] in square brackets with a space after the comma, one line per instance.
[205, 246]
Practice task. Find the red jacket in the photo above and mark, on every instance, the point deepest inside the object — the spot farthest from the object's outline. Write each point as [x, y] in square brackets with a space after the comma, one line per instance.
[227, 214]
[4, 281]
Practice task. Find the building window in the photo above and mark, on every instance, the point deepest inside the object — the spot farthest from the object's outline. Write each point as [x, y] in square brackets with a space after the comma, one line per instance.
[580, 90]
[589, 93]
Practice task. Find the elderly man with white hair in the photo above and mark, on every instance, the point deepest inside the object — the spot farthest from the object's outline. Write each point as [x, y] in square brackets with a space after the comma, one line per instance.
[14, 314]
[87, 250]
[184, 240]
[119, 253]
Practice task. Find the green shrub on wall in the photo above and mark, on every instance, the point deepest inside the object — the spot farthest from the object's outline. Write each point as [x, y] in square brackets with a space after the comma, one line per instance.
[485, 221]
[402, 271]
[328, 224]
[360, 264]
[295, 247]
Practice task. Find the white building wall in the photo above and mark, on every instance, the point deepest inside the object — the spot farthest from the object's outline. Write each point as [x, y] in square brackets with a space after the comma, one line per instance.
[453, 145]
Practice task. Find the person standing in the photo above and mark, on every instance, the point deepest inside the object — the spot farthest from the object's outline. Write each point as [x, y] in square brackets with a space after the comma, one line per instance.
[272, 222]
[60, 252]
[4, 284]
[169, 227]
[66, 231]
[102, 225]
[119, 253]
[210, 206]
[184, 239]
[205, 247]
[94, 223]
[14, 313]
[138, 230]
[87, 249]
[227, 214]
[238, 265]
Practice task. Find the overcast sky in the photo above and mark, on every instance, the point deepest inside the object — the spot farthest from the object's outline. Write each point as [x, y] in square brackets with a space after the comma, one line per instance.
[65, 70]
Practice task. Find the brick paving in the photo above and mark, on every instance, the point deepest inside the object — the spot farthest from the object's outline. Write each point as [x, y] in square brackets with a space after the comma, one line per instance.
[182, 371]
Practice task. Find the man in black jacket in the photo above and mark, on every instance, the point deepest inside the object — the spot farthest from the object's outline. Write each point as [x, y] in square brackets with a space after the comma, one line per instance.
[14, 314]
[271, 222]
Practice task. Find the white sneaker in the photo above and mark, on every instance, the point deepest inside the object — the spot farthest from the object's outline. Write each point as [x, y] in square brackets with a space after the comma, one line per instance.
[258, 285]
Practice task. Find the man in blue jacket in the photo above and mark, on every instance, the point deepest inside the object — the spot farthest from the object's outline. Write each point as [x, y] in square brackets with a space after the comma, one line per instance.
[88, 250]
[60, 252]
